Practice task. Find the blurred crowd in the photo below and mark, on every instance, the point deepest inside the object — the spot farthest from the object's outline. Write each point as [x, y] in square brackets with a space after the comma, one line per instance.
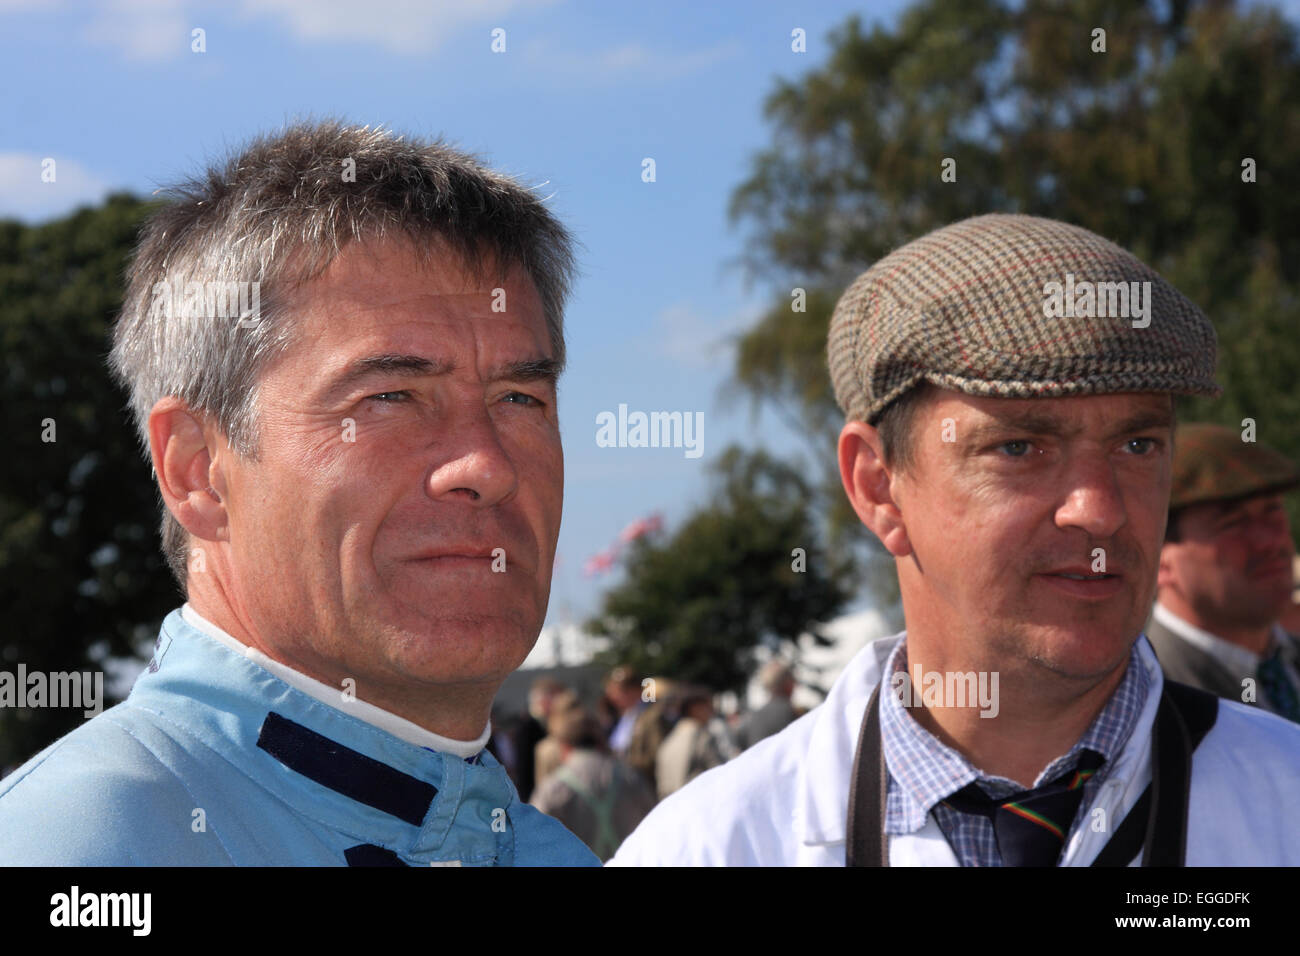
[599, 768]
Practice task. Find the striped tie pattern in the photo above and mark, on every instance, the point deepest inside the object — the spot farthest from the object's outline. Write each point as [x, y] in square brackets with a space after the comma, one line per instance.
[1031, 826]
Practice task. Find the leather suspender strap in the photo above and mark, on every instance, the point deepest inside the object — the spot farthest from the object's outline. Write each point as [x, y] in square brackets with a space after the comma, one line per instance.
[866, 843]
[1156, 825]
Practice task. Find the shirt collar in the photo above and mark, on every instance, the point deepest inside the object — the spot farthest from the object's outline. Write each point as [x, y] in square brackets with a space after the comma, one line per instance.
[1234, 657]
[335, 770]
[825, 770]
[399, 727]
[923, 770]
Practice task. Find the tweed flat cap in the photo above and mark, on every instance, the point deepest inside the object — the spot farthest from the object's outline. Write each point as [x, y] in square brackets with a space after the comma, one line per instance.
[1013, 306]
[1212, 463]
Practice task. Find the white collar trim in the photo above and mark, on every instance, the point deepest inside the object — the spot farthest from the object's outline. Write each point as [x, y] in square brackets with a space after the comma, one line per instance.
[1237, 659]
[399, 727]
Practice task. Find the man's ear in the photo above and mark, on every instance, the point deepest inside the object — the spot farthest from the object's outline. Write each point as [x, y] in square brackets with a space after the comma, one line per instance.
[868, 482]
[1165, 575]
[182, 462]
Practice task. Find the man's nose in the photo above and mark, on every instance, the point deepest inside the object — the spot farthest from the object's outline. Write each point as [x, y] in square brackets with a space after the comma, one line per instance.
[1094, 500]
[473, 464]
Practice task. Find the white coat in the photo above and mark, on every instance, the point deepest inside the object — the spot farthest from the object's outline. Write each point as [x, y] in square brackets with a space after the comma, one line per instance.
[784, 802]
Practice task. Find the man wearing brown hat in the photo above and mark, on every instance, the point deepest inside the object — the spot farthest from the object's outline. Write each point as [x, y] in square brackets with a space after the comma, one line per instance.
[1007, 385]
[1226, 570]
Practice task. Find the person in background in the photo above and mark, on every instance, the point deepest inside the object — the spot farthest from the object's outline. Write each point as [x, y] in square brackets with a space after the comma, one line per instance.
[653, 725]
[591, 791]
[531, 731]
[623, 690]
[777, 678]
[689, 749]
[1290, 619]
[550, 750]
[1225, 574]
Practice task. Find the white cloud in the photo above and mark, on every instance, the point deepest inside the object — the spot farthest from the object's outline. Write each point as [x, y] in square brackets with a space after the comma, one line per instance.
[24, 196]
[156, 30]
[628, 59]
[142, 30]
[401, 26]
[690, 338]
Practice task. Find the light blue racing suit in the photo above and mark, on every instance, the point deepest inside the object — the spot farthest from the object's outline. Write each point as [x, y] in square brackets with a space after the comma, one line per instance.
[213, 760]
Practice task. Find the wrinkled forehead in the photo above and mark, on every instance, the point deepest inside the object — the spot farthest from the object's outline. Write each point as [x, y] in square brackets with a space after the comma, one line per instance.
[391, 298]
[377, 273]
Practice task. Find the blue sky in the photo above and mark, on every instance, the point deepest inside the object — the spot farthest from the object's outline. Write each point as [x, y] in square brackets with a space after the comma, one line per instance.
[582, 94]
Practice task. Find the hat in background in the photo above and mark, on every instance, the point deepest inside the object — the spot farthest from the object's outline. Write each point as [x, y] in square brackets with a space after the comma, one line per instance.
[1212, 463]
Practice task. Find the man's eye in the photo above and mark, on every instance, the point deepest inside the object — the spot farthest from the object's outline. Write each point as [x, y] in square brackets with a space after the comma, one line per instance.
[1150, 444]
[1017, 449]
[390, 398]
[522, 399]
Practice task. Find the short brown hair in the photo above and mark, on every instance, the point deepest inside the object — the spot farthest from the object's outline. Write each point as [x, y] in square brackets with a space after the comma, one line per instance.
[895, 426]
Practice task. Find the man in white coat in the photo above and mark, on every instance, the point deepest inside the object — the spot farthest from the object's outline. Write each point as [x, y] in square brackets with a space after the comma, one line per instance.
[1007, 383]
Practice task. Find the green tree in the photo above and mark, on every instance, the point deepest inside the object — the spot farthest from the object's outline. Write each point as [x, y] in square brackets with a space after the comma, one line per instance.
[694, 607]
[81, 577]
[1145, 143]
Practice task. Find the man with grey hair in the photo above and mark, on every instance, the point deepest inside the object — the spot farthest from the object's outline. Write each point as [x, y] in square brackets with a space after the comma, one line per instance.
[777, 679]
[1011, 451]
[341, 350]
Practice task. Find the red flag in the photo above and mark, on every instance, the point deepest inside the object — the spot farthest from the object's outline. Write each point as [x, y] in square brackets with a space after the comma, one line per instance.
[641, 526]
[600, 563]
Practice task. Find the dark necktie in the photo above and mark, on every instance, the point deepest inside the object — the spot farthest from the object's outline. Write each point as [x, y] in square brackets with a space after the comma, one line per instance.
[1277, 686]
[1030, 826]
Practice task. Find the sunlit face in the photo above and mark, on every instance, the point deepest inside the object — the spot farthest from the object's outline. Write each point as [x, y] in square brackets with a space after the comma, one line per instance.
[401, 522]
[1232, 562]
[1009, 495]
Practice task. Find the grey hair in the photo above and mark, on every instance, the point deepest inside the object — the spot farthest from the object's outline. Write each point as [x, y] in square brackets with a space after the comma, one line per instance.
[277, 214]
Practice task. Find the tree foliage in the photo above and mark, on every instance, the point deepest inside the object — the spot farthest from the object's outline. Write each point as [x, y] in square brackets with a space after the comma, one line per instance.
[81, 576]
[695, 606]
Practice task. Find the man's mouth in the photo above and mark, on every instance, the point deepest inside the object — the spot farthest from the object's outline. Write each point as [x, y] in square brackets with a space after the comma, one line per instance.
[1079, 583]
